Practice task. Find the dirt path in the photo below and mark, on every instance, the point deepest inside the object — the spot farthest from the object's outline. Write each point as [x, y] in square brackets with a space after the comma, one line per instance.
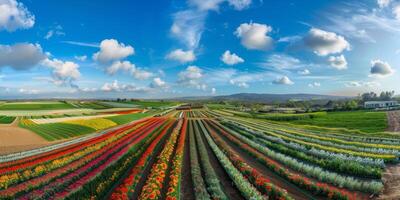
[229, 188]
[391, 180]
[15, 139]
[393, 118]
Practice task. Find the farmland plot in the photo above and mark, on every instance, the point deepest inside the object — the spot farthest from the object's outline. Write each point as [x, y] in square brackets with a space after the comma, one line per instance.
[198, 154]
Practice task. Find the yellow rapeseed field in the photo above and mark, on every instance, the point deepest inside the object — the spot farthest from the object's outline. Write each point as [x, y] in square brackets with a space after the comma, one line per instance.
[98, 123]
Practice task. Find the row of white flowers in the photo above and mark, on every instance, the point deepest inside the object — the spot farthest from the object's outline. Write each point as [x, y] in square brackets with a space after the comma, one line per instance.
[315, 171]
[244, 186]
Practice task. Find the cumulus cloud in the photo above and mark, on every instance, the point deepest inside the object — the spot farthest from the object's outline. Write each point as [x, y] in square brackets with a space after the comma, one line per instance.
[120, 66]
[141, 74]
[338, 62]
[21, 56]
[158, 83]
[283, 81]
[191, 77]
[304, 72]
[324, 43]
[380, 68]
[14, 15]
[314, 84]
[111, 50]
[231, 58]
[116, 87]
[181, 56]
[64, 72]
[255, 36]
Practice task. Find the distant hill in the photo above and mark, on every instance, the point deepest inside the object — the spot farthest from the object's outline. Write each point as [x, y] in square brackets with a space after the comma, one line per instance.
[264, 98]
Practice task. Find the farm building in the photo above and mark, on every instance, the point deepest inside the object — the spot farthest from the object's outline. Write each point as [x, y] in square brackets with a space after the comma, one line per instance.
[380, 104]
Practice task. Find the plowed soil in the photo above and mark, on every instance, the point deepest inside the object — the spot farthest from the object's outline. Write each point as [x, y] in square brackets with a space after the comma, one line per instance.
[15, 139]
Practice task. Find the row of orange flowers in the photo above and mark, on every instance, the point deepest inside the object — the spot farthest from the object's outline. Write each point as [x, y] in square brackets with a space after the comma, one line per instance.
[175, 175]
[155, 181]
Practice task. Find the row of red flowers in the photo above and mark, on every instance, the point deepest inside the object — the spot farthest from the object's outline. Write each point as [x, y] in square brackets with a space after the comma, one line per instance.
[79, 164]
[126, 188]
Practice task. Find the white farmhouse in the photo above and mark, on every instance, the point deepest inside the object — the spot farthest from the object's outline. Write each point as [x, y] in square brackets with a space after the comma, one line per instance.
[380, 104]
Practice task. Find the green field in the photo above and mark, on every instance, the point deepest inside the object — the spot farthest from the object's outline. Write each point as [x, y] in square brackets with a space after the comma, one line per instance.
[35, 106]
[123, 119]
[6, 119]
[364, 121]
[369, 122]
[56, 131]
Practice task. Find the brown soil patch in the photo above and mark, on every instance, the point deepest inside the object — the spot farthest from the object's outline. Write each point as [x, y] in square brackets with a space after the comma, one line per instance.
[15, 139]
[393, 121]
[391, 180]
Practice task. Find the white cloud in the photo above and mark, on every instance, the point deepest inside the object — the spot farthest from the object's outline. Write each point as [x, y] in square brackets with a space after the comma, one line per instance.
[239, 83]
[191, 76]
[64, 72]
[158, 83]
[213, 91]
[314, 84]
[188, 26]
[304, 72]
[283, 81]
[21, 56]
[120, 66]
[112, 50]
[380, 68]
[141, 74]
[239, 4]
[14, 15]
[255, 36]
[338, 62]
[205, 5]
[396, 12]
[81, 58]
[282, 61]
[324, 43]
[383, 3]
[181, 55]
[370, 84]
[116, 87]
[57, 30]
[231, 58]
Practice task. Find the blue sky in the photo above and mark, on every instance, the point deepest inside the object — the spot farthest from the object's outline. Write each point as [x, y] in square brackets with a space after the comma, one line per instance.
[156, 49]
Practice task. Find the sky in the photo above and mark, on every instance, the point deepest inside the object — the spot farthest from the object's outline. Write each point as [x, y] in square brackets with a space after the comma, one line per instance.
[171, 48]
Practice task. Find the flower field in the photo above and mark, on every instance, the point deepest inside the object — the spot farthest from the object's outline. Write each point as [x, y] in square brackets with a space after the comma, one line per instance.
[199, 154]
